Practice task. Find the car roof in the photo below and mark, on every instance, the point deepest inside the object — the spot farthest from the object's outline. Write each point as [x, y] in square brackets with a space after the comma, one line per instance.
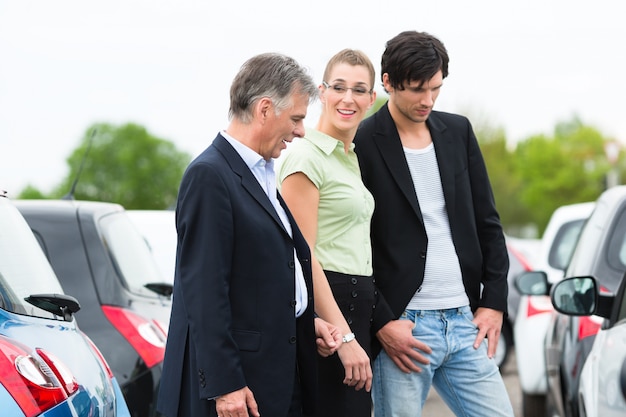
[62, 206]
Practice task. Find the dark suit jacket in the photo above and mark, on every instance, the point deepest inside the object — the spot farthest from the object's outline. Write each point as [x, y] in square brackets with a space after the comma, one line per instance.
[399, 240]
[233, 319]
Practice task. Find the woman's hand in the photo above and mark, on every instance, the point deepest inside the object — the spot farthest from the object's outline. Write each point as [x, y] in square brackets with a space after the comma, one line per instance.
[357, 365]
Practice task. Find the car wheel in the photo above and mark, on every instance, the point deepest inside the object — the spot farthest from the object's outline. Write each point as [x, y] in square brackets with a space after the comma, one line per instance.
[533, 405]
[504, 345]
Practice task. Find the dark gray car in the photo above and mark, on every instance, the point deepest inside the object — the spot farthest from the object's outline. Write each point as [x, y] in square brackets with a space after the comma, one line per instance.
[100, 258]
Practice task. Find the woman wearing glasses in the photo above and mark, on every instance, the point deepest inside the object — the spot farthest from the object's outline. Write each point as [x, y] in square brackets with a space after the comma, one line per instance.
[320, 180]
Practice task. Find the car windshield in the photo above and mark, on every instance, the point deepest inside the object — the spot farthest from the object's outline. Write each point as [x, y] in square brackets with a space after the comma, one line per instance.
[617, 244]
[130, 253]
[564, 244]
[24, 269]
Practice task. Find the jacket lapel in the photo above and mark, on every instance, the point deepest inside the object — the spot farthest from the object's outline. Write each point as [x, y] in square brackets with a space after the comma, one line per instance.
[390, 147]
[391, 150]
[248, 180]
[445, 149]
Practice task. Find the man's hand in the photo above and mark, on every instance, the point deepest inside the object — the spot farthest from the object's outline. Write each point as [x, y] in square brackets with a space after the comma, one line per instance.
[489, 323]
[328, 337]
[400, 345]
[237, 404]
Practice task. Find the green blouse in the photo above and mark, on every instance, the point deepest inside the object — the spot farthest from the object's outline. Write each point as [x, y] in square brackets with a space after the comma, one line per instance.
[345, 207]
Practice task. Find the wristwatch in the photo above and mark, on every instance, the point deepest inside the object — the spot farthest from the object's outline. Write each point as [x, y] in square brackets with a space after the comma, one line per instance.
[348, 338]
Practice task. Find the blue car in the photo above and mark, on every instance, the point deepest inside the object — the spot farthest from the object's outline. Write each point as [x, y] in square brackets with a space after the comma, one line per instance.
[48, 366]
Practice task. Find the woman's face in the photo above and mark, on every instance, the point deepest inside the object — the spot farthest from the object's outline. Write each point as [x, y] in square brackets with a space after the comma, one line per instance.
[346, 96]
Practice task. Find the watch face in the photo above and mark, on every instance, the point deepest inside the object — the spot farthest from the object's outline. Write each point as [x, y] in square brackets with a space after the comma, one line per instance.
[348, 337]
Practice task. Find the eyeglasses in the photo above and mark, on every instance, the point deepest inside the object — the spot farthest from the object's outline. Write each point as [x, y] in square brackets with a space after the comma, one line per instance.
[342, 89]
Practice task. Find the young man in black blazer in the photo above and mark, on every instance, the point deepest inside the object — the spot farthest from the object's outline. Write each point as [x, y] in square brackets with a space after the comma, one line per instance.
[439, 255]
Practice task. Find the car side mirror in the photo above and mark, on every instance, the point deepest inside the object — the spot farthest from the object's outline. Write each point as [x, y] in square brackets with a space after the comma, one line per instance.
[58, 304]
[576, 296]
[532, 283]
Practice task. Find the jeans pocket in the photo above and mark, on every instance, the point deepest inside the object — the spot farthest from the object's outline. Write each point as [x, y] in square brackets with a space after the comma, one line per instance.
[468, 316]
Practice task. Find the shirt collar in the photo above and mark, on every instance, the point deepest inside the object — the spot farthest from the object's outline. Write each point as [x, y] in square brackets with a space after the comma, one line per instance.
[250, 157]
[324, 142]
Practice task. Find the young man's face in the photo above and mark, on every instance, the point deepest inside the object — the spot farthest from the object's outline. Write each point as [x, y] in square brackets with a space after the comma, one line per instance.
[417, 99]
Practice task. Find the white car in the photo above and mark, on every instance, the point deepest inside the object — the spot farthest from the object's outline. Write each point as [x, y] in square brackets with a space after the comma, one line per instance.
[602, 390]
[535, 312]
[521, 252]
[158, 227]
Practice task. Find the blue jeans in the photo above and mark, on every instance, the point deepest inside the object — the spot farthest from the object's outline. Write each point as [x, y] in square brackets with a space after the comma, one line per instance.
[465, 378]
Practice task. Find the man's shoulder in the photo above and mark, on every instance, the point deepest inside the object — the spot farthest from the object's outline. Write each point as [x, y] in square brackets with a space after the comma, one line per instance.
[374, 123]
[212, 161]
[209, 155]
[367, 124]
[448, 119]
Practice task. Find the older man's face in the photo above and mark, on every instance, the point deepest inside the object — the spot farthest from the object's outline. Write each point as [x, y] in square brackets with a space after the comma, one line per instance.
[282, 128]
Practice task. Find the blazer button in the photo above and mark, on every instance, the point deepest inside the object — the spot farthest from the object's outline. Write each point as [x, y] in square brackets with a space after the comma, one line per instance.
[354, 294]
[354, 280]
[423, 254]
[292, 340]
[351, 307]
[292, 264]
[292, 303]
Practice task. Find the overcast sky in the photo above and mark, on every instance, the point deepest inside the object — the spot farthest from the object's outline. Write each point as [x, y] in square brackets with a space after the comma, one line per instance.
[167, 65]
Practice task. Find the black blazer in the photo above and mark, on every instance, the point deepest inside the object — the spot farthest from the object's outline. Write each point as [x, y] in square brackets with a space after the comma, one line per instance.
[399, 238]
[233, 320]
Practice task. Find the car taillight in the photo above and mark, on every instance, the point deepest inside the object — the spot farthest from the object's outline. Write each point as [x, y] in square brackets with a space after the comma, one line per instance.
[99, 356]
[161, 326]
[590, 325]
[36, 383]
[143, 335]
[521, 258]
[538, 304]
[62, 372]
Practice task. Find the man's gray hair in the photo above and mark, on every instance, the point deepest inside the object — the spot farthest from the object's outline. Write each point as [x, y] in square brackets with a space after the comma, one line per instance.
[270, 75]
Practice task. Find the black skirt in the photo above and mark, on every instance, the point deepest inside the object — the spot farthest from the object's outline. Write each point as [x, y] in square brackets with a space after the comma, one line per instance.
[355, 296]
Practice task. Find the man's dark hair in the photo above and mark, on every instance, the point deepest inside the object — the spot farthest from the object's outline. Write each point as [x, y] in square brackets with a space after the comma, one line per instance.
[413, 56]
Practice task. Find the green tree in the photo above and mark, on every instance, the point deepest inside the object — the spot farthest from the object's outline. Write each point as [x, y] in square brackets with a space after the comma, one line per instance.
[31, 192]
[567, 168]
[504, 180]
[126, 165]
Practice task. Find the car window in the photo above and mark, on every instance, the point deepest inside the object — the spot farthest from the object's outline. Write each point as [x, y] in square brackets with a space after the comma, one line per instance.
[24, 269]
[130, 253]
[564, 244]
[617, 244]
[591, 236]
